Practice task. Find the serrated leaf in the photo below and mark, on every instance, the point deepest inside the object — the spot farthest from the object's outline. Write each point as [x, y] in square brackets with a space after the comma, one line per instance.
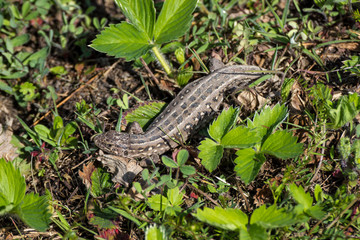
[268, 120]
[272, 217]
[175, 196]
[223, 123]
[256, 232]
[170, 205]
[210, 154]
[35, 212]
[12, 186]
[155, 233]
[298, 193]
[240, 137]
[100, 182]
[184, 75]
[141, 14]
[174, 20]
[346, 110]
[158, 202]
[122, 40]
[282, 144]
[228, 219]
[144, 114]
[247, 167]
[316, 212]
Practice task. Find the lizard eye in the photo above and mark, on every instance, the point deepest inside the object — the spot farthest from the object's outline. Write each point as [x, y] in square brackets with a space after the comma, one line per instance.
[126, 153]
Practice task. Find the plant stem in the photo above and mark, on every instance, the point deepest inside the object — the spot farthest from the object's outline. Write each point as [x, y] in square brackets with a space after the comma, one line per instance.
[162, 60]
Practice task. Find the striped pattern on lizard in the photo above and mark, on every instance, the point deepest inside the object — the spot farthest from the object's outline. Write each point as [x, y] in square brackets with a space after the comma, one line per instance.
[191, 109]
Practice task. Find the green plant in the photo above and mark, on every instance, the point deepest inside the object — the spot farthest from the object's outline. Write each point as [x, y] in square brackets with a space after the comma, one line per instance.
[134, 39]
[30, 208]
[257, 139]
[179, 164]
[263, 219]
[335, 114]
[122, 103]
[58, 137]
[87, 114]
[352, 65]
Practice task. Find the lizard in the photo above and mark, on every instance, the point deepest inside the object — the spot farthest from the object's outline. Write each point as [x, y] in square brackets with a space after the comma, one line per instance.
[184, 115]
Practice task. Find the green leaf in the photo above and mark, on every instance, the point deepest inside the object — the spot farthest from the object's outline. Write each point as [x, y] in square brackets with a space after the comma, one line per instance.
[58, 70]
[268, 120]
[169, 162]
[12, 187]
[187, 170]
[175, 196]
[20, 40]
[300, 196]
[256, 232]
[6, 88]
[184, 75]
[155, 233]
[125, 214]
[141, 14]
[171, 204]
[282, 144]
[143, 114]
[247, 167]
[25, 8]
[272, 217]
[286, 88]
[174, 20]
[316, 212]
[240, 137]
[318, 193]
[29, 131]
[158, 202]
[41, 54]
[122, 40]
[71, 142]
[182, 157]
[28, 90]
[100, 182]
[42, 130]
[210, 154]
[228, 219]
[223, 123]
[58, 123]
[70, 128]
[104, 217]
[346, 110]
[34, 211]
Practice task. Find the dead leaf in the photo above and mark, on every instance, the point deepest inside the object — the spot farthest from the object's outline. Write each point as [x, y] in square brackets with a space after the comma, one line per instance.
[86, 174]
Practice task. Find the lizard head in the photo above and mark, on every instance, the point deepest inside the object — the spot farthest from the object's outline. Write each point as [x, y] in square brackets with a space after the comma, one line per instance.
[114, 143]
